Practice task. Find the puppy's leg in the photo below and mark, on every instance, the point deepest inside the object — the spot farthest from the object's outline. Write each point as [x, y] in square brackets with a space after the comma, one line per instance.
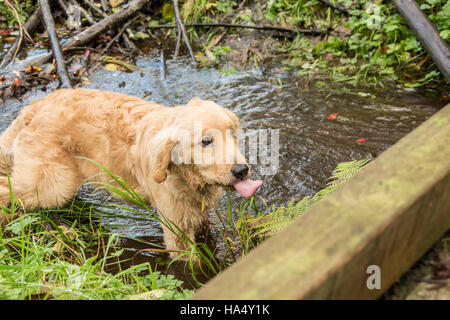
[6, 160]
[184, 221]
[177, 242]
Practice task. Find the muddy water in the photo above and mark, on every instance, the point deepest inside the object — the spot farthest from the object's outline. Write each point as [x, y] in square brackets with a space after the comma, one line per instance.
[266, 98]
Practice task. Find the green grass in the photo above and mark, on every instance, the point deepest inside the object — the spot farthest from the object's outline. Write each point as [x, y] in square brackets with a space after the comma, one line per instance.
[51, 255]
[65, 254]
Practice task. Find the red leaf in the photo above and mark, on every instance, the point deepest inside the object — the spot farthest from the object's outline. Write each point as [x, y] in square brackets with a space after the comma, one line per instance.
[332, 116]
[16, 81]
[361, 140]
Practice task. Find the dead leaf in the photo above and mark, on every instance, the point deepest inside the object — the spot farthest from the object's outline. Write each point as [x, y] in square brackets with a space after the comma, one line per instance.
[111, 67]
[332, 116]
[32, 69]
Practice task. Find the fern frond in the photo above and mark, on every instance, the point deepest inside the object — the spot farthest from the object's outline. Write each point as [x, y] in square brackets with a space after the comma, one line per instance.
[346, 170]
[267, 225]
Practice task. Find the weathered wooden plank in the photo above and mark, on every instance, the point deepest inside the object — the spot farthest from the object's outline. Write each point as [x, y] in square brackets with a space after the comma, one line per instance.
[388, 215]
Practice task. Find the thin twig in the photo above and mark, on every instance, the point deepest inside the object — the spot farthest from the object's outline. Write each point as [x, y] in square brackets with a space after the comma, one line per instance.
[177, 47]
[22, 30]
[119, 34]
[163, 64]
[96, 9]
[30, 26]
[105, 5]
[246, 26]
[130, 44]
[88, 17]
[183, 32]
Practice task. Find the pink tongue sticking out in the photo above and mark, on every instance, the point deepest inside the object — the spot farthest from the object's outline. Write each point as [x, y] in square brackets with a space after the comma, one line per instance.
[247, 187]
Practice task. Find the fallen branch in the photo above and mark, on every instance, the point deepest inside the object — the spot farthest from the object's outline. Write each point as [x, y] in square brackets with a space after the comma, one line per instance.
[245, 26]
[56, 48]
[427, 34]
[29, 26]
[181, 30]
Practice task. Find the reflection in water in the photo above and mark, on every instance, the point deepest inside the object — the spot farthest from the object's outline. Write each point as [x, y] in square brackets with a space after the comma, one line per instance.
[310, 145]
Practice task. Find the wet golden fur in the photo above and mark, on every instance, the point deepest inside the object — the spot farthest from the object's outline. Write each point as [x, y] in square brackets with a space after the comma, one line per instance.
[131, 137]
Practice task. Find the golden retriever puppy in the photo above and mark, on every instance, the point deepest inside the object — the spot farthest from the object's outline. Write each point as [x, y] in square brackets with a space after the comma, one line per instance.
[179, 158]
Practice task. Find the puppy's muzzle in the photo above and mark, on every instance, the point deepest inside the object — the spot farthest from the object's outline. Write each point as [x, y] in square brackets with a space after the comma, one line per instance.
[240, 171]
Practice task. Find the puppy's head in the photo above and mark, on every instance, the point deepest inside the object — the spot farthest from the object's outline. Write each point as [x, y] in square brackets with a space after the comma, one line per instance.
[204, 137]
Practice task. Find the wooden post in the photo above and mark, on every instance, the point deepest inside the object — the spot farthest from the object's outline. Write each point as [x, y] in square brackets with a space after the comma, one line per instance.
[426, 33]
[387, 216]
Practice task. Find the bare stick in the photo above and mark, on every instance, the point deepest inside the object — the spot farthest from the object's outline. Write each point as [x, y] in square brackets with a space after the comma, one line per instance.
[119, 34]
[83, 12]
[244, 26]
[177, 47]
[64, 6]
[183, 32]
[105, 5]
[427, 34]
[129, 43]
[163, 64]
[95, 8]
[56, 48]
[29, 26]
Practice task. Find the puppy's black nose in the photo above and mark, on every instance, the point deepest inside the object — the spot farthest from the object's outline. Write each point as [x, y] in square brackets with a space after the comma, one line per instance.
[240, 171]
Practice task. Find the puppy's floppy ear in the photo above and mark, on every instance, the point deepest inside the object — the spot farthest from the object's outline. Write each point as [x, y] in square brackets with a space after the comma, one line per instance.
[233, 118]
[163, 158]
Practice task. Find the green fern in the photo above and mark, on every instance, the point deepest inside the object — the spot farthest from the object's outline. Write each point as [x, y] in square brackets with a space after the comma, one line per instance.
[267, 225]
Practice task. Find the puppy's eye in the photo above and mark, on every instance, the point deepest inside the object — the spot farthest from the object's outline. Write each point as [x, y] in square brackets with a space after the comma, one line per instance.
[206, 141]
